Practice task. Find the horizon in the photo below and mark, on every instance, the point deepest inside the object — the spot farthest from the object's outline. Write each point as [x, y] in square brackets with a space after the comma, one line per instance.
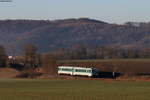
[77, 19]
[112, 11]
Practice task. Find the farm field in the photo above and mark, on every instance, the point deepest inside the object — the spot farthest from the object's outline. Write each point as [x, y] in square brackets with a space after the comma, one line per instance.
[23, 89]
[108, 60]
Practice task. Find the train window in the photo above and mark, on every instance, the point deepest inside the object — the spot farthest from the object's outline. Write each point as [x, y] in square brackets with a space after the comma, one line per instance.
[83, 70]
[77, 70]
[89, 71]
[80, 70]
[66, 69]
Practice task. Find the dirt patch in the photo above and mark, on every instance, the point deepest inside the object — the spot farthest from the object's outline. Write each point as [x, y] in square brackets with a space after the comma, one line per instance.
[141, 78]
[8, 73]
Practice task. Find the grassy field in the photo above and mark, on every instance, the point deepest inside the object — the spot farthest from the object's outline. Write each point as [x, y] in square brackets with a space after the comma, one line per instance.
[108, 60]
[73, 90]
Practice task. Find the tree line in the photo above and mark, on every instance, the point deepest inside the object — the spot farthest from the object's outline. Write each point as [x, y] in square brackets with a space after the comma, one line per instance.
[101, 52]
[31, 60]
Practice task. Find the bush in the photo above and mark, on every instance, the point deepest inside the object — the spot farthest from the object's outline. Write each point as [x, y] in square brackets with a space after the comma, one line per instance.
[28, 74]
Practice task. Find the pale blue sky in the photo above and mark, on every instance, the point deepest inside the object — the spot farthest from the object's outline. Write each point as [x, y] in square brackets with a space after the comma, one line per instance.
[114, 11]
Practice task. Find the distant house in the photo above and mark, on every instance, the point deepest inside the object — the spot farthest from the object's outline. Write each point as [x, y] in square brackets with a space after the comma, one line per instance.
[10, 57]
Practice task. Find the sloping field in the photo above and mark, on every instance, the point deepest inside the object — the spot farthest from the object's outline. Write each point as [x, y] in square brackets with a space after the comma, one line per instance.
[73, 90]
[8, 73]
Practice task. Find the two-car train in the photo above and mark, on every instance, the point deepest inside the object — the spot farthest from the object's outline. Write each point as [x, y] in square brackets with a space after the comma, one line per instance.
[78, 71]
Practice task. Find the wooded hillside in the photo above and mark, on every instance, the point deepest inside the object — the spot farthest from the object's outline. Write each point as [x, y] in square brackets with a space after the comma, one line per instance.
[50, 35]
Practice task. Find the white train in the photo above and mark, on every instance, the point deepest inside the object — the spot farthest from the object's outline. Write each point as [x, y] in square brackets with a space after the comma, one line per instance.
[78, 71]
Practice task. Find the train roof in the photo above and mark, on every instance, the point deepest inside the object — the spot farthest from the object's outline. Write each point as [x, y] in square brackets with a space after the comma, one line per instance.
[76, 67]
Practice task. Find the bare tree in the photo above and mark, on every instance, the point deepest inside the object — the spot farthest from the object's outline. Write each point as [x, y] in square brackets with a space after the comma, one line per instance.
[49, 64]
[30, 53]
[3, 57]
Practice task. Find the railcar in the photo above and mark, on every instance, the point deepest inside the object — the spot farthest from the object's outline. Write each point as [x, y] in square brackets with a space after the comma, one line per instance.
[78, 71]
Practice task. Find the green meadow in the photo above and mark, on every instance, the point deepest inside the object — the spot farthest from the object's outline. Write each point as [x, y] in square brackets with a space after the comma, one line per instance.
[22, 89]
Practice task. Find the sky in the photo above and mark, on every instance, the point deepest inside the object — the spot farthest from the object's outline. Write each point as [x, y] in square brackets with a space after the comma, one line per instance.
[113, 11]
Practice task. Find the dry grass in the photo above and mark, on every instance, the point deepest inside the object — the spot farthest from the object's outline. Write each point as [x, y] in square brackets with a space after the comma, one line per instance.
[8, 73]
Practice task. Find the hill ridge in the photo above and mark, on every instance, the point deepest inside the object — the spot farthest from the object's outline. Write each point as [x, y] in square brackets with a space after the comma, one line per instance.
[50, 35]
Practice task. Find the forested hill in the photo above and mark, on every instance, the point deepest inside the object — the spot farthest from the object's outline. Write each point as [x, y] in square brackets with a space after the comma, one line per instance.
[50, 35]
